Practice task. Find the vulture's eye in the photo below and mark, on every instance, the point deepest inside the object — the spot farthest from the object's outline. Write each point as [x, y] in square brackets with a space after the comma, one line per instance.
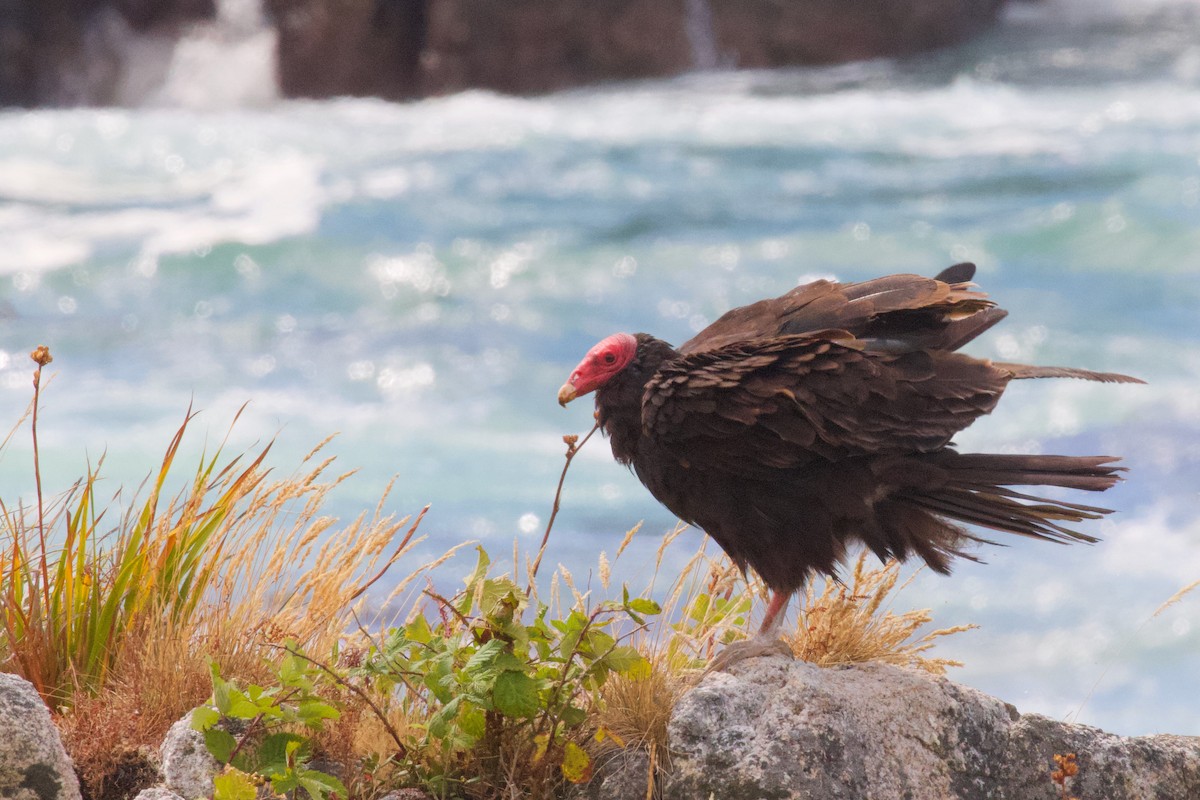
[609, 358]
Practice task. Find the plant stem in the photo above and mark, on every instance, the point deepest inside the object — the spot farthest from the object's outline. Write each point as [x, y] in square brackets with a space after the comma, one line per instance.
[358, 691]
[254, 723]
[37, 477]
[387, 564]
[572, 449]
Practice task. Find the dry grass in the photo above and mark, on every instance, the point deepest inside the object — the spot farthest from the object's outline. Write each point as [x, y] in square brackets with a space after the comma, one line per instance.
[852, 625]
[703, 607]
[1175, 598]
[284, 572]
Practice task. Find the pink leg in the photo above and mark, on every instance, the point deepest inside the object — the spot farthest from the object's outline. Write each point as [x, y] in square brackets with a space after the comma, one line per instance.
[765, 643]
[775, 611]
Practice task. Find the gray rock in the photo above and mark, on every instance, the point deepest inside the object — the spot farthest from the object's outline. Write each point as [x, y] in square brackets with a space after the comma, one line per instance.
[408, 794]
[157, 793]
[618, 774]
[33, 763]
[188, 768]
[775, 728]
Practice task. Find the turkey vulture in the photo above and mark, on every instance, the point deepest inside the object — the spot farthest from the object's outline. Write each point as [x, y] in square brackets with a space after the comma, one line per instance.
[793, 427]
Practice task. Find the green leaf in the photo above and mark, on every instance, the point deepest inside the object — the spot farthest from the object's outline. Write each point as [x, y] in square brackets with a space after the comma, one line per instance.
[472, 721]
[644, 605]
[596, 643]
[242, 707]
[233, 786]
[220, 743]
[221, 690]
[204, 717]
[439, 723]
[286, 783]
[515, 695]
[570, 641]
[319, 785]
[440, 677]
[484, 656]
[509, 662]
[311, 712]
[467, 598]
[624, 658]
[501, 597]
[273, 754]
[418, 630]
[573, 715]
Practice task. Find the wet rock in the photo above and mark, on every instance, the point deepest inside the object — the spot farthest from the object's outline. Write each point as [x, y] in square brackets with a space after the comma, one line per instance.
[33, 763]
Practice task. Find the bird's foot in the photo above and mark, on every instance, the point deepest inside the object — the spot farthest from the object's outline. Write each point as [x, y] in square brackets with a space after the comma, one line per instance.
[750, 648]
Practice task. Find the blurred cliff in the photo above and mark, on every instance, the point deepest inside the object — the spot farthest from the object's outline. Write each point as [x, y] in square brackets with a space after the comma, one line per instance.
[168, 52]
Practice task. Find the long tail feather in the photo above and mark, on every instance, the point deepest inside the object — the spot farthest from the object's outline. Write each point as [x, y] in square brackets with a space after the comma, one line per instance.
[1021, 371]
[973, 490]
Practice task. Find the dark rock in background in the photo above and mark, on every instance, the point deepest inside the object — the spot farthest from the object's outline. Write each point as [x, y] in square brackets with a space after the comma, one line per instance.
[766, 33]
[47, 51]
[364, 48]
[69, 52]
[530, 46]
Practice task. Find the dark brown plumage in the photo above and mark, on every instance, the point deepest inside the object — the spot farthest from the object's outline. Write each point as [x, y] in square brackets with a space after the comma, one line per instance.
[791, 428]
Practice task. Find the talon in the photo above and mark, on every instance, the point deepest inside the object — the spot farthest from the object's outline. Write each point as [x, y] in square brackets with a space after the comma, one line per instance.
[750, 648]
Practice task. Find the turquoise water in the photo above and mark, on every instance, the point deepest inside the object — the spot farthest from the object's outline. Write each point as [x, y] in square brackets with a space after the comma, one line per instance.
[421, 278]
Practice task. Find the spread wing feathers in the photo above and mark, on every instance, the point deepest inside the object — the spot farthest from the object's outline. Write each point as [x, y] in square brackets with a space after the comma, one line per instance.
[897, 313]
[779, 403]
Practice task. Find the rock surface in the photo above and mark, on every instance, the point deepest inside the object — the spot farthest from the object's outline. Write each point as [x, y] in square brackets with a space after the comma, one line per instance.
[350, 47]
[33, 763]
[779, 729]
[529, 46]
[157, 793]
[526, 46]
[763, 33]
[188, 768]
[57, 52]
[65, 52]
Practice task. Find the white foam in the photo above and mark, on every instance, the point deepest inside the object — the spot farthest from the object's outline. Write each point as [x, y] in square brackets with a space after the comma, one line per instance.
[228, 62]
[1081, 11]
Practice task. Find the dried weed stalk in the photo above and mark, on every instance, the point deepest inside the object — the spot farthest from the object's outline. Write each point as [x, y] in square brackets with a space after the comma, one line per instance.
[851, 625]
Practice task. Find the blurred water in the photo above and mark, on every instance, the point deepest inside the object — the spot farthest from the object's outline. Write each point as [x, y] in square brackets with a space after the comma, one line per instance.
[422, 277]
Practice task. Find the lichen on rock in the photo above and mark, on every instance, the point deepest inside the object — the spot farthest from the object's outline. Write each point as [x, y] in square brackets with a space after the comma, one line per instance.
[33, 763]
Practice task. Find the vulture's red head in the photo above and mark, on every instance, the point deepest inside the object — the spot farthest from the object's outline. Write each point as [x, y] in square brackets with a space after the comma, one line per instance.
[599, 366]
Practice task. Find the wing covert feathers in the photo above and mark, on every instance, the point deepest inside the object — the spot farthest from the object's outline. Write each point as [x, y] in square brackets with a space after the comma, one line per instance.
[914, 311]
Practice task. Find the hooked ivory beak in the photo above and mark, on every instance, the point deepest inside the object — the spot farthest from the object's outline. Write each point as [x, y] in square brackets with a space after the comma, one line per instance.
[566, 394]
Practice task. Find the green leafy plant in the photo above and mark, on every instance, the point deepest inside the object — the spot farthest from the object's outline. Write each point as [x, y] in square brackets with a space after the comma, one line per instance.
[505, 688]
[267, 745]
